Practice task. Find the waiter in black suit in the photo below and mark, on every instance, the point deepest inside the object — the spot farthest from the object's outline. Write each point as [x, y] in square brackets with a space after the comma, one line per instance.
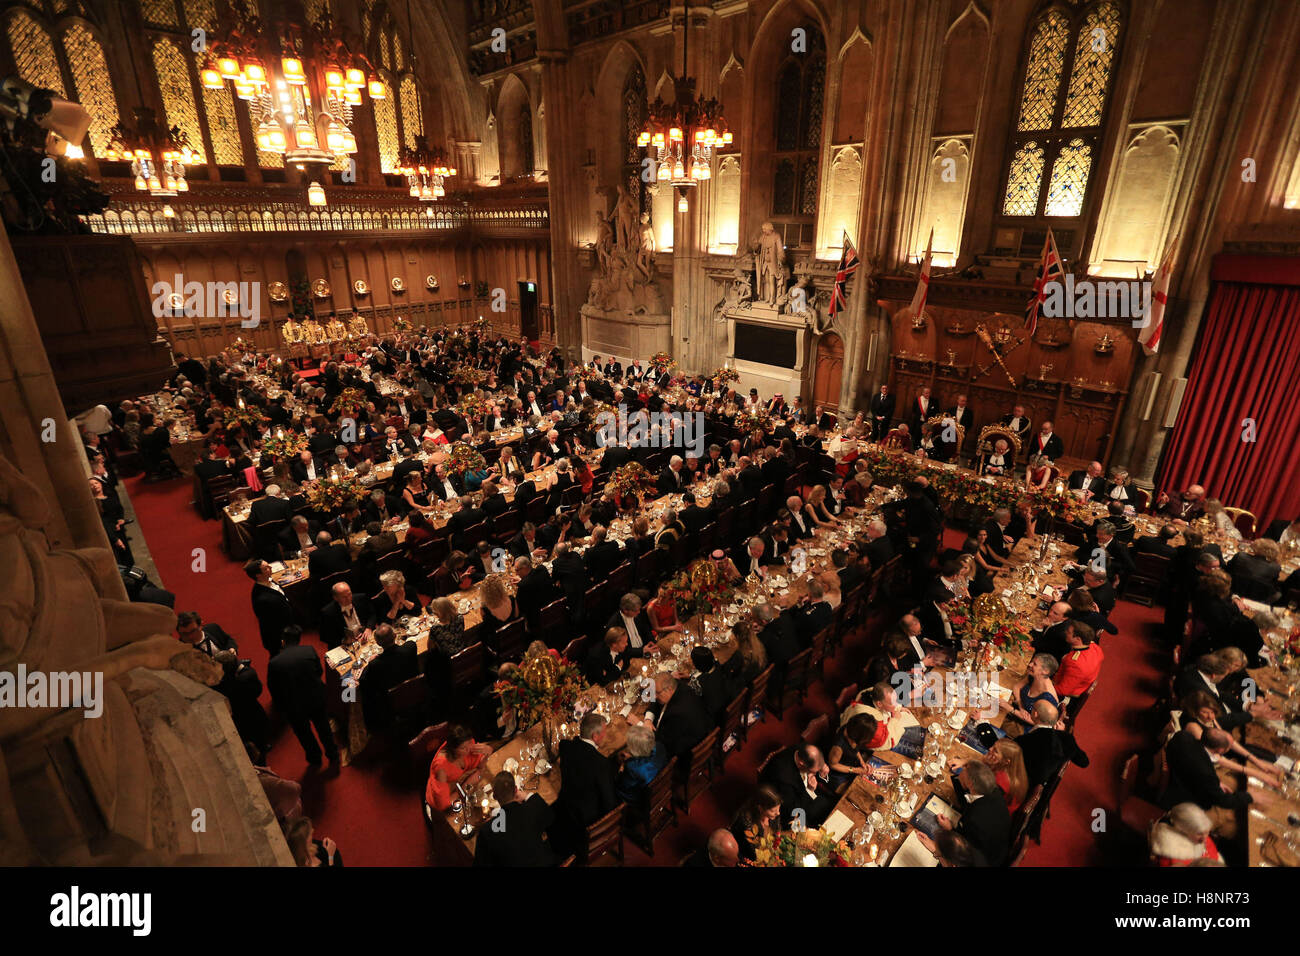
[297, 690]
[271, 606]
[1046, 750]
[587, 776]
[679, 716]
[962, 414]
[395, 663]
[882, 412]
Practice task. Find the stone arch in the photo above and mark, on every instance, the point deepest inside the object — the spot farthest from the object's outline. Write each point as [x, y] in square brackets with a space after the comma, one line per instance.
[511, 103]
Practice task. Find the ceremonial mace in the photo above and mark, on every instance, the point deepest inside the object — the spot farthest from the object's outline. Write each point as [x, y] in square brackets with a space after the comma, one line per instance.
[983, 333]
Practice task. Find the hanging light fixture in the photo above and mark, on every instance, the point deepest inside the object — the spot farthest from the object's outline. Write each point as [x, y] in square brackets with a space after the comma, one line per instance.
[300, 82]
[158, 155]
[681, 136]
[315, 194]
[426, 170]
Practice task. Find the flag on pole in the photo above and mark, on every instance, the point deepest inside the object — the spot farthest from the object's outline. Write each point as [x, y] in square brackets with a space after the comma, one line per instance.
[1052, 270]
[923, 282]
[848, 266]
[1149, 337]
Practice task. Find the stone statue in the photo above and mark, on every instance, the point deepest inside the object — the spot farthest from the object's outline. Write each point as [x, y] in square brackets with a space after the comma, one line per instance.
[604, 242]
[625, 218]
[645, 259]
[771, 253]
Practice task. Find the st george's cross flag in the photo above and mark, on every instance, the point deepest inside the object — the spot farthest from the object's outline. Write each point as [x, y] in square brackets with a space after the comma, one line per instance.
[923, 282]
[848, 266]
[1149, 337]
[1052, 270]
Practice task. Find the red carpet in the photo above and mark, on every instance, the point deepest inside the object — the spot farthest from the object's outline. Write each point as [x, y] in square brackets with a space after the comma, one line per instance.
[376, 818]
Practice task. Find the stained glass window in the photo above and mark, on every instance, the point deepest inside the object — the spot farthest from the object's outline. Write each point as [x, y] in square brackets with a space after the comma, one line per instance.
[386, 129]
[412, 124]
[385, 52]
[1043, 72]
[797, 124]
[33, 53]
[808, 187]
[315, 9]
[633, 121]
[1069, 179]
[1023, 181]
[399, 57]
[223, 127]
[161, 13]
[525, 137]
[94, 84]
[1090, 76]
[783, 188]
[177, 94]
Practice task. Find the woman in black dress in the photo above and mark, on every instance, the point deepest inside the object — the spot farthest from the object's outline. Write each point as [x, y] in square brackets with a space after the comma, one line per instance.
[850, 747]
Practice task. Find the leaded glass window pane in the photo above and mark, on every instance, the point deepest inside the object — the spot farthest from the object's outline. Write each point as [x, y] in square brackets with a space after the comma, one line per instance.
[223, 127]
[1094, 56]
[412, 125]
[1069, 179]
[385, 52]
[1023, 181]
[33, 52]
[787, 107]
[202, 14]
[386, 129]
[94, 85]
[814, 79]
[1043, 72]
[161, 13]
[177, 94]
[399, 57]
[808, 187]
[783, 188]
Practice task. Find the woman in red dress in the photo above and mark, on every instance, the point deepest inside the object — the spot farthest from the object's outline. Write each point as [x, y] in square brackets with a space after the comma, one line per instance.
[662, 611]
[456, 761]
[583, 475]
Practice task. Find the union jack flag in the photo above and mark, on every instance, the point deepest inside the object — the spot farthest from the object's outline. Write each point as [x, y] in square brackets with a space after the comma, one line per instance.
[848, 266]
[1052, 271]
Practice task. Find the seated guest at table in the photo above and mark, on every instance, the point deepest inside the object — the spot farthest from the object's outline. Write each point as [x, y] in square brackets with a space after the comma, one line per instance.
[1046, 748]
[632, 618]
[1007, 761]
[815, 513]
[350, 522]
[1081, 664]
[602, 556]
[1202, 711]
[457, 760]
[897, 656]
[985, 820]
[758, 818]
[1255, 572]
[999, 461]
[1188, 505]
[881, 701]
[812, 614]
[1105, 553]
[1194, 779]
[1089, 482]
[849, 751]
[750, 658]
[1023, 522]
[394, 602]
[998, 527]
[419, 531]
[443, 485]
[1159, 543]
[609, 659]
[534, 591]
[1034, 687]
[588, 781]
[1049, 637]
[465, 517]
[516, 835]
[777, 633]
[454, 574]
[1124, 528]
[1219, 619]
[641, 760]
[678, 716]
[662, 613]
[494, 502]
[722, 851]
[413, 495]
[1285, 533]
[716, 685]
[300, 537]
[800, 777]
[448, 629]
[1038, 472]
[346, 617]
[497, 606]
[1238, 690]
[670, 530]
[395, 663]
[525, 542]
[508, 465]
[847, 568]
[1220, 519]
[1182, 837]
[1083, 607]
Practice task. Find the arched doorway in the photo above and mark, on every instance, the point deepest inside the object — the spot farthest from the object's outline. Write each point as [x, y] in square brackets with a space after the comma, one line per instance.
[830, 367]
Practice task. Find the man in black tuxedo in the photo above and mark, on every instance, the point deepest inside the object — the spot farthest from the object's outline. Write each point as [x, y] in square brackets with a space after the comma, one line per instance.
[465, 517]
[924, 520]
[616, 456]
[1052, 637]
[961, 413]
[1192, 777]
[587, 776]
[602, 556]
[523, 544]
[750, 478]
[395, 663]
[1159, 543]
[1205, 674]
[998, 533]
[717, 685]
[1255, 573]
[298, 692]
[608, 660]
[1046, 443]
[879, 549]
[882, 412]
[299, 537]
[800, 777]
[445, 486]
[570, 575]
[812, 614]
[670, 476]
[985, 821]
[631, 617]
[1046, 750]
[270, 605]
[922, 408]
[613, 368]
[1091, 481]
[408, 465]
[680, 718]
[779, 636]
[239, 682]
[346, 616]
[753, 557]
[1019, 422]
[268, 516]
[1105, 553]
[382, 507]
[516, 834]
[534, 591]
[307, 467]
[691, 515]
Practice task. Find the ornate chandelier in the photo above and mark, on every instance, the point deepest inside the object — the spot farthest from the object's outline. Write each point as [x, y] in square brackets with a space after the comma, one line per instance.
[425, 170]
[158, 155]
[680, 136]
[300, 83]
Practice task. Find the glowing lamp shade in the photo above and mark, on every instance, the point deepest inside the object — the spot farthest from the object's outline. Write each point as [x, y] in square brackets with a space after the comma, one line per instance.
[334, 79]
[182, 185]
[212, 78]
[303, 135]
[228, 67]
[352, 96]
[140, 184]
[291, 67]
[682, 204]
[169, 212]
[316, 194]
[355, 77]
[349, 141]
[254, 73]
[376, 88]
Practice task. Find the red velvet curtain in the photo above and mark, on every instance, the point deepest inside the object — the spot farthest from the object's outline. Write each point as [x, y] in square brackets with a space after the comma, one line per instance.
[1245, 365]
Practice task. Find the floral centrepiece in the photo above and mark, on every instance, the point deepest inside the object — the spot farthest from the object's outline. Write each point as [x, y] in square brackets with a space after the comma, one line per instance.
[463, 458]
[992, 623]
[468, 375]
[249, 416]
[349, 403]
[631, 479]
[700, 589]
[284, 445]
[472, 406]
[724, 377]
[662, 362]
[806, 848]
[541, 688]
[749, 421]
[328, 495]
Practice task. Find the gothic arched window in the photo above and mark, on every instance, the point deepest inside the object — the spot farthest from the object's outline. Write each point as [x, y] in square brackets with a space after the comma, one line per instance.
[386, 127]
[177, 93]
[633, 119]
[797, 141]
[412, 122]
[1068, 70]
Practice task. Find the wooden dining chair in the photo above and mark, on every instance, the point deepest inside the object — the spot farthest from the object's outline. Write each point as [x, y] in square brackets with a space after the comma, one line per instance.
[846, 697]
[575, 649]
[757, 699]
[511, 641]
[695, 775]
[620, 580]
[817, 730]
[553, 622]
[798, 674]
[409, 702]
[732, 726]
[604, 838]
[817, 659]
[655, 812]
[467, 669]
